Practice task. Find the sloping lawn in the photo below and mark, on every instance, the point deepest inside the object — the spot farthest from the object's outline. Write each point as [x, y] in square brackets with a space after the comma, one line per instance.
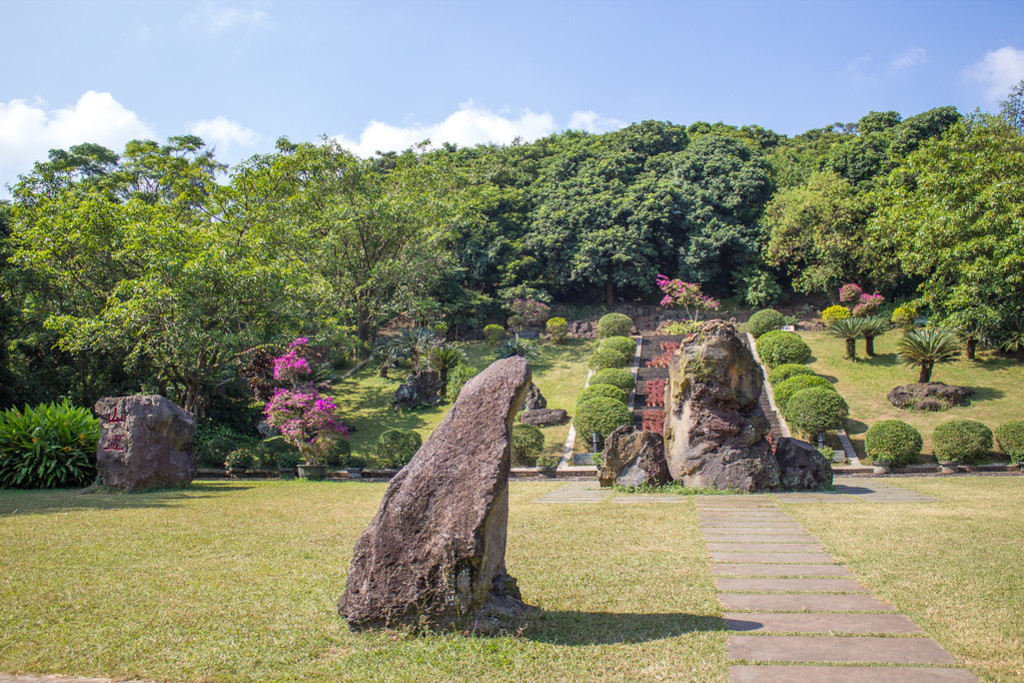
[238, 581]
[998, 385]
[364, 398]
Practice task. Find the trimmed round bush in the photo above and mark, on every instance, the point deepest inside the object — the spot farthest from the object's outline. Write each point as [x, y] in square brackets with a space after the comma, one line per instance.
[494, 334]
[602, 391]
[527, 443]
[395, 447]
[1010, 437]
[607, 358]
[834, 314]
[764, 321]
[787, 370]
[814, 410]
[893, 441]
[558, 329]
[601, 415]
[614, 325]
[276, 452]
[968, 441]
[624, 345]
[215, 451]
[778, 348]
[784, 391]
[617, 377]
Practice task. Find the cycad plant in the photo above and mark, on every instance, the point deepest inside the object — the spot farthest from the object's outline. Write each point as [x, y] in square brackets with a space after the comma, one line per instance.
[848, 329]
[927, 347]
[411, 344]
[444, 357]
[874, 326]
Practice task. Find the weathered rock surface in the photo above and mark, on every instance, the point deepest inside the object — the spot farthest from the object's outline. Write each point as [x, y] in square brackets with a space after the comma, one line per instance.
[145, 442]
[633, 457]
[434, 555]
[932, 396]
[534, 399]
[714, 428]
[582, 330]
[544, 417]
[418, 389]
[801, 466]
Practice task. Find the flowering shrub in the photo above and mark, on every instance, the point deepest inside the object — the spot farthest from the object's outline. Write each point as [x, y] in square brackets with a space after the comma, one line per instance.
[528, 313]
[306, 417]
[654, 390]
[661, 360]
[850, 293]
[686, 295]
[868, 305]
[654, 421]
[834, 313]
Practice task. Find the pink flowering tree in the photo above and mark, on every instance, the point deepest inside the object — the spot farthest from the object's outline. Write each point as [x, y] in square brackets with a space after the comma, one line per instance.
[306, 417]
[527, 313]
[868, 305]
[685, 295]
[850, 293]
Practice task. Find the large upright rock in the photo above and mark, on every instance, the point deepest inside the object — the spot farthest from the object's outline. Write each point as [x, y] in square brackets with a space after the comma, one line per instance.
[714, 428]
[434, 555]
[633, 457]
[145, 443]
[801, 466]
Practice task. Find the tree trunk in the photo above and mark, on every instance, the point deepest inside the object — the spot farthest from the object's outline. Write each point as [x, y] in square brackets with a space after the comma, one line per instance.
[869, 345]
[972, 347]
[926, 373]
[851, 348]
[609, 292]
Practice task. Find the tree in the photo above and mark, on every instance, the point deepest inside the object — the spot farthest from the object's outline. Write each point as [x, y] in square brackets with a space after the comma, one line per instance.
[1012, 108]
[925, 348]
[849, 330]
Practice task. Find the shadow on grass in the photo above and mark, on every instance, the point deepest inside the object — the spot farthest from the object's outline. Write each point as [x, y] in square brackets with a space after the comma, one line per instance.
[985, 394]
[856, 426]
[606, 628]
[882, 360]
[22, 502]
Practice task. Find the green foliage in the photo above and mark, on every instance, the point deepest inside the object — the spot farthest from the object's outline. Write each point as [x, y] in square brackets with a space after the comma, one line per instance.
[546, 462]
[558, 330]
[893, 441]
[442, 358]
[623, 345]
[617, 377]
[849, 330]
[763, 321]
[275, 451]
[517, 347]
[968, 441]
[604, 357]
[395, 447]
[240, 459]
[604, 391]
[681, 328]
[601, 415]
[1010, 437]
[758, 288]
[833, 314]
[458, 377]
[338, 454]
[527, 443]
[777, 348]
[904, 316]
[494, 334]
[614, 325]
[787, 370]
[784, 391]
[925, 348]
[215, 451]
[815, 410]
[50, 446]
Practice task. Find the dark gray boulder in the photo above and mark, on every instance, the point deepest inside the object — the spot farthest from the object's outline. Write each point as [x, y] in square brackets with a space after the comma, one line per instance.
[544, 417]
[633, 457]
[419, 389]
[801, 466]
[145, 442]
[534, 399]
[434, 555]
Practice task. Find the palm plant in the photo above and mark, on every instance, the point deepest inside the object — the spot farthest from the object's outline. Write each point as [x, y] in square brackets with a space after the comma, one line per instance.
[517, 347]
[410, 344]
[384, 357]
[848, 329]
[444, 357]
[927, 347]
[874, 326]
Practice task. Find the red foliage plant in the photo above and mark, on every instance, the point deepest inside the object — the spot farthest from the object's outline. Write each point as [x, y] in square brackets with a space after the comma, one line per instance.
[654, 421]
[654, 390]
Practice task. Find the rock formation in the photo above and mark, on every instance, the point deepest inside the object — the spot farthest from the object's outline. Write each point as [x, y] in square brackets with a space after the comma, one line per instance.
[543, 417]
[434, 555]
[714, 428]
[534, 399]
[633, 457]
[933, 396]
[146, 442]
[801, 466]
[419, 389]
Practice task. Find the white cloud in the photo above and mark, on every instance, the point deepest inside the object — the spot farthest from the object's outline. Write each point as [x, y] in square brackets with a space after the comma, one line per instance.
[910, 58]
[592, 122]
[222, 133]
[29, 131]
[998, 71]
[217, 19]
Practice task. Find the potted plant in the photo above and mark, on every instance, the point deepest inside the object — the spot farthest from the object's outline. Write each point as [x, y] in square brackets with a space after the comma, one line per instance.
[238, 461]
[882, 466]
[354, 465]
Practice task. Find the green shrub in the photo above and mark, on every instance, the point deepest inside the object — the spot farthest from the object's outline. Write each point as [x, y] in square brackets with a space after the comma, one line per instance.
[617, 377]
[614, 325]
[603, 391]
[338, 453]
[527, 443]
[784, 391]
[458, 377]
[601, 415]
[893, 441]
[558, 330]
[834, 314]
[547, 462]
[395, 447]
[681, 327]
[624, 345]
[787, 370]
[1010, 437]
[904, 317]
[274, 451]
[763, 321]
[240, 459]
[517, 347]
[494, 334]
[215, 451]
[50, 446]
[968, 441]
[778, 348]
[814, 410]
[607, 358]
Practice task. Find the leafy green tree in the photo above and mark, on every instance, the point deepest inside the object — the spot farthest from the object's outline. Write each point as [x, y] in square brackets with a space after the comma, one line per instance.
[926, 348]
[1012, 108]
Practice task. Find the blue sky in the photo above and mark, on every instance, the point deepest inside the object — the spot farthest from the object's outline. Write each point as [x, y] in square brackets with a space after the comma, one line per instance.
[385, 74]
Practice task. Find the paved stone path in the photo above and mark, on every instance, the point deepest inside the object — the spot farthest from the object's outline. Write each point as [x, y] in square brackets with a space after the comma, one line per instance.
[576, 492]
[792, 608]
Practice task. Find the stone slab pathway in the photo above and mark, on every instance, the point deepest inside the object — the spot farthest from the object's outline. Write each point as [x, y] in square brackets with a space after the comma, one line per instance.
[577, 492]
[793, 608]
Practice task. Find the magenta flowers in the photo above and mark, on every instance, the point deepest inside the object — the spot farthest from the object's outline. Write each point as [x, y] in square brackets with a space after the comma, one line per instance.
[686, 295]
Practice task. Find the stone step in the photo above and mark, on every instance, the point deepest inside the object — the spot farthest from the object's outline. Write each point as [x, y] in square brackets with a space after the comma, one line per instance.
[841, 649]
[779, 570]
[846, 674]
[772, 558]
[809, 622]
[743, 585]
[760, 538]
[744, 528]
[765, 547]
[797, 602]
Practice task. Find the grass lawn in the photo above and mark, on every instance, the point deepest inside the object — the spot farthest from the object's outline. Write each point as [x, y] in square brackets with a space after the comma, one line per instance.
[998, 385]
[238, 581]
[954, 566]
[364, 399]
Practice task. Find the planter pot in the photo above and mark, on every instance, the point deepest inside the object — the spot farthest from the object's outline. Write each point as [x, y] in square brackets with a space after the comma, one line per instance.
[312, 472]
[883, 467]
[354, 472]
[528, 334]
[286, 472]
[949, 466]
